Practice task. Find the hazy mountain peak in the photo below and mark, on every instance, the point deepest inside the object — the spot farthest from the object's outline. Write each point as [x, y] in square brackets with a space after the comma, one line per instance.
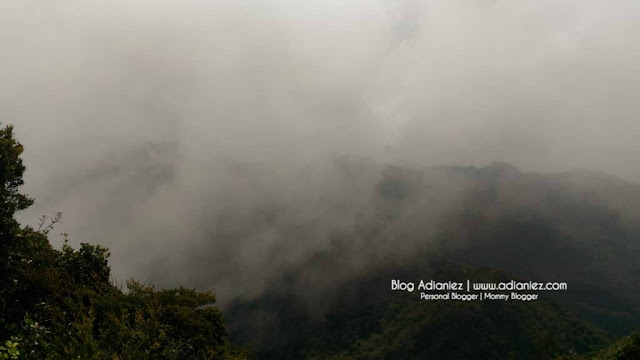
[501, 169]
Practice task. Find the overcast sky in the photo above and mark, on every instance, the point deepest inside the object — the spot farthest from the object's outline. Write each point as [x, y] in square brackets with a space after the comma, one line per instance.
[99, 90]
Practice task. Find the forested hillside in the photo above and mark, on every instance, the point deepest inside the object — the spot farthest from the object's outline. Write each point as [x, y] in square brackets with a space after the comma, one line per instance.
[491, 222]
[365, 320]
[62, 304]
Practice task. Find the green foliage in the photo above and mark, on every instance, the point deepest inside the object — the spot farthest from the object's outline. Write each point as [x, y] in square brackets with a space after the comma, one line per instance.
[10, 349]
[11, 171]
[627, 348]
[59, 304]
[418, 330]
[165, 324]
[367, 321]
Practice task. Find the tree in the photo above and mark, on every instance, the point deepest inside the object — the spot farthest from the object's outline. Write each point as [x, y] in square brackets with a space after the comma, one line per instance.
[62, 304]
[11, 172]
[11, 200]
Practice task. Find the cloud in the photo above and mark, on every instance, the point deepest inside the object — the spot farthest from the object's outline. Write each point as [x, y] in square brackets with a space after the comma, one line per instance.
[151, 124]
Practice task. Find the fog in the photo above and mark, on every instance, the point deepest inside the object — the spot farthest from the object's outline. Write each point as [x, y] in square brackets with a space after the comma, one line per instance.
[153, 124]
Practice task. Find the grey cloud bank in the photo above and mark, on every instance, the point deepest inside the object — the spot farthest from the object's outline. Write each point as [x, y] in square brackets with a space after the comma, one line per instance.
[152, 124]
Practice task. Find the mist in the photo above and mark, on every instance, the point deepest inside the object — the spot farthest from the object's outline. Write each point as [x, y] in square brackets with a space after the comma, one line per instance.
[202, 141]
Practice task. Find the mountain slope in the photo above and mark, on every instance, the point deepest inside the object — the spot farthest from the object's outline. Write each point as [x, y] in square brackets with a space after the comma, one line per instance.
[578, 227]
